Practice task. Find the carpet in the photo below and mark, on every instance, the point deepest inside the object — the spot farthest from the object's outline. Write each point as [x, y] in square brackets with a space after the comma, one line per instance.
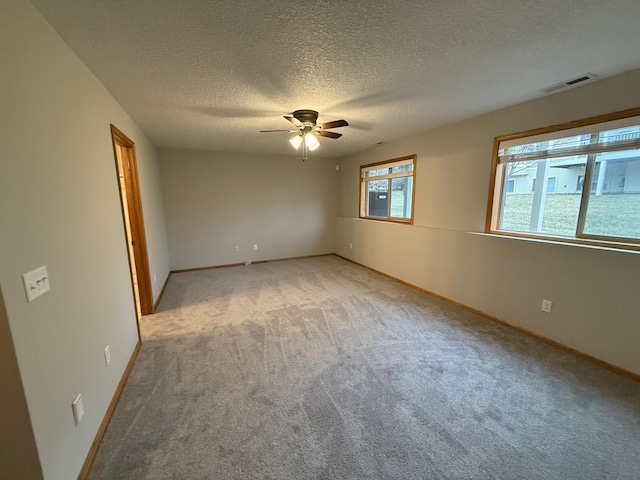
[319, 369]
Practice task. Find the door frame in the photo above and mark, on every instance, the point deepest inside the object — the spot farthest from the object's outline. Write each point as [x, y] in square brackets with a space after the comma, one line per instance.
[133, 203]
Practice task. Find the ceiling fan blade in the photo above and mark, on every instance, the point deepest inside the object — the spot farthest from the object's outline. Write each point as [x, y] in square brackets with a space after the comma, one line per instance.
[295, 121]
[324, 133]
[268, 131]
[335, 124]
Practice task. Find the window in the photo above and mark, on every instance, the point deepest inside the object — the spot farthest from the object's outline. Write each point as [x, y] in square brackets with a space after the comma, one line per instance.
[551, 184]
[387, 190]
[511, 185]
[585, 179]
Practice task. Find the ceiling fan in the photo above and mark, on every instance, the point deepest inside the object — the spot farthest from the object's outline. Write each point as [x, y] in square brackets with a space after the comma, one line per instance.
[307, 132]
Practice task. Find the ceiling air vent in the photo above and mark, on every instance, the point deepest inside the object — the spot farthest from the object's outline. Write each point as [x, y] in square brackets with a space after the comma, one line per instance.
[569, 83]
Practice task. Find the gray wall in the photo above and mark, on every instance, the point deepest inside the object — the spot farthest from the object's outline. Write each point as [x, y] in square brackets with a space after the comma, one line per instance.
[596, 304]
[60, 207]
[217, 200]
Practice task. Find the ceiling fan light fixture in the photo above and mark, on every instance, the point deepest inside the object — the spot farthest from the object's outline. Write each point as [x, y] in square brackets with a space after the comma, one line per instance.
[311, 141]
[305, 121]
[296, 141]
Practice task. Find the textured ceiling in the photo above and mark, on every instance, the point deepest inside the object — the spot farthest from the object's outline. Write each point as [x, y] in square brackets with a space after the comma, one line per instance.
[209, 74]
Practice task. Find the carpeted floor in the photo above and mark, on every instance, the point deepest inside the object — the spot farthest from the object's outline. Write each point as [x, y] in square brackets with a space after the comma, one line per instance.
[319, 369]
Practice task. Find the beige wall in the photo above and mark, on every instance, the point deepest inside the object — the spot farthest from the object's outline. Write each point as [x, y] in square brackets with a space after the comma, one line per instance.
[18, 454]
[60, 207]
[594, 291]
[217, 200]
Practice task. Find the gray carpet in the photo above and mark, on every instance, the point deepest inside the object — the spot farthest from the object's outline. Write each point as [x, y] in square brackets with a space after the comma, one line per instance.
[319, 369]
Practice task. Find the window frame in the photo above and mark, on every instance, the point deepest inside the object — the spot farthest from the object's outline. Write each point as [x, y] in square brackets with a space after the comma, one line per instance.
[363, 190]
[497, 181]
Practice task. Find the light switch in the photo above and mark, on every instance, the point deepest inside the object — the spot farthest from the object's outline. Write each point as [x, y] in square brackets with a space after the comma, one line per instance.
[36, 282]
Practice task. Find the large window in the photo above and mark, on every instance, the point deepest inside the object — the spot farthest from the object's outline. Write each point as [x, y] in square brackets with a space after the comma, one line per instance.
[387, 188]
[574, 181]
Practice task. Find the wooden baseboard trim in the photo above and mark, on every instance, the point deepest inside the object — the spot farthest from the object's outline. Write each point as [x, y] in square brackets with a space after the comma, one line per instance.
[155, 305]
[257, 262]
[294, 258]
[609, 366]
[107, 416]
[212, 267]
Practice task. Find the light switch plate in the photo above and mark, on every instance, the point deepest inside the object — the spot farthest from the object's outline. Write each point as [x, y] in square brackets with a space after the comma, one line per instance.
[78, 408]
[36, 282]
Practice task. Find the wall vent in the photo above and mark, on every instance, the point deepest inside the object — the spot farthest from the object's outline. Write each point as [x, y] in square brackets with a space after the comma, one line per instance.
[569, 83]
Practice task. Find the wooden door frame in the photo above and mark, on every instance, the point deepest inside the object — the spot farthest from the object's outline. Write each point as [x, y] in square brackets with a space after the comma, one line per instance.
[136, 220]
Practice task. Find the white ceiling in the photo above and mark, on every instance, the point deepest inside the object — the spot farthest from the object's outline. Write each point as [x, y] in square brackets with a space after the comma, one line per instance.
[209, 74]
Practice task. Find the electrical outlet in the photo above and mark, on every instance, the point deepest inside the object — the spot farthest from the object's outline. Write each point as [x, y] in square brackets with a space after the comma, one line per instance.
[255, 246]
[248, 262]
[236, 249]
[36, 283]
[155, 279]
[78, 409]
[107, 355]
[351, 246]
[546, 305]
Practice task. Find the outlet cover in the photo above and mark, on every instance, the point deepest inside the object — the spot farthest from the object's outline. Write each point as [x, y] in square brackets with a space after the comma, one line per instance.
[107, 355]
[255, 246]
[546, 306]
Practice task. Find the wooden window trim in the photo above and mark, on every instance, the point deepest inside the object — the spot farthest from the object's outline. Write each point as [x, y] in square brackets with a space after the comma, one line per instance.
[362, 199]
[496, 180]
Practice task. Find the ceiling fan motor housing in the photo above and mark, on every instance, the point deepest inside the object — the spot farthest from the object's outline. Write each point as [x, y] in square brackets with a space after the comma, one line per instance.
[306, 116]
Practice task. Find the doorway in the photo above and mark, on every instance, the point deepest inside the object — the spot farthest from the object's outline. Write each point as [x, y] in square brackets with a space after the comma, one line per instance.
[127, 171]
